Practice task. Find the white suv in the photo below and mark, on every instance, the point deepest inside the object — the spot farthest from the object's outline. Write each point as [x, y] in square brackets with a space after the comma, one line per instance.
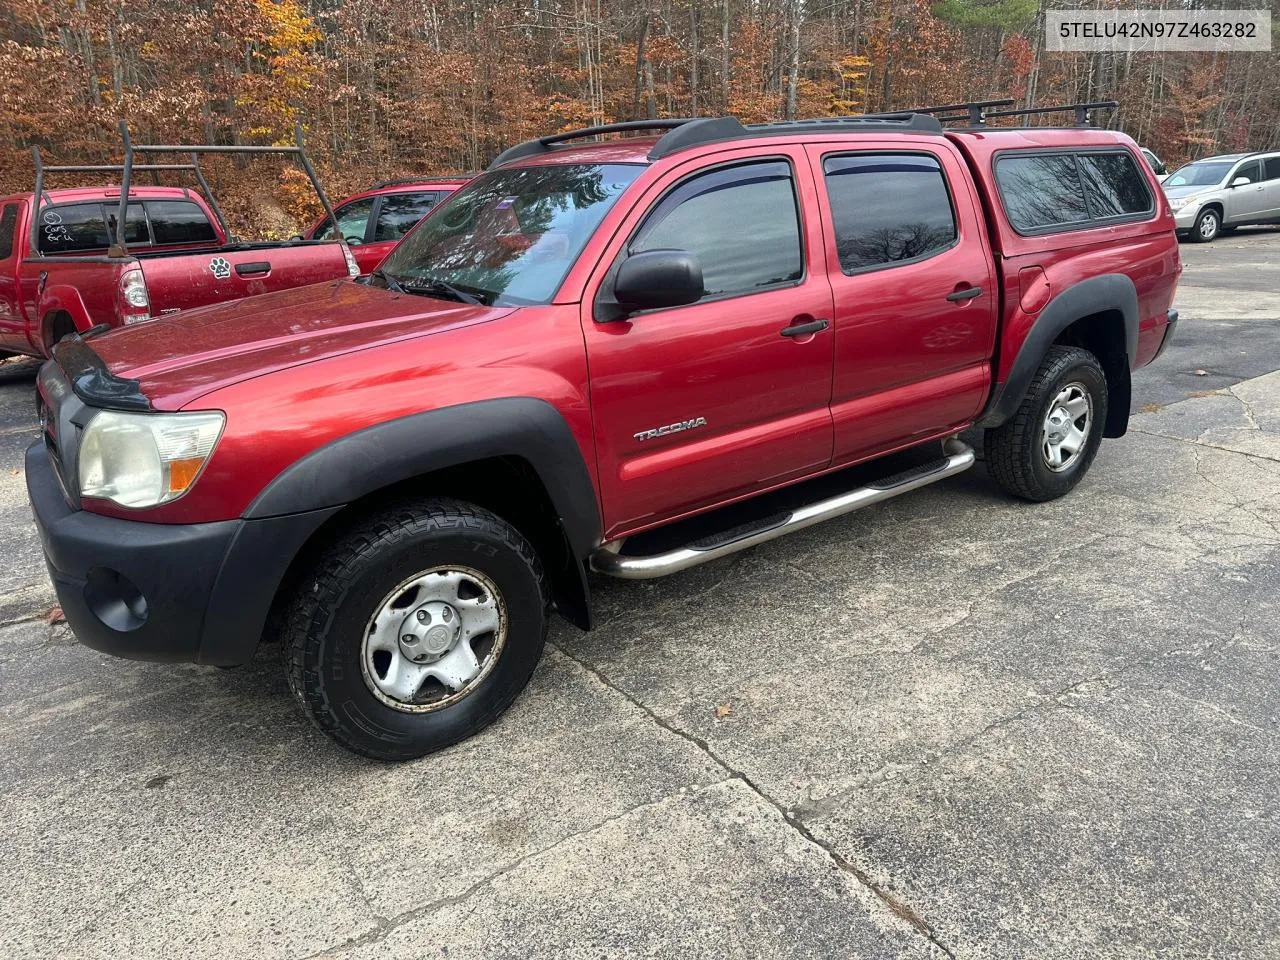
[1218, 194]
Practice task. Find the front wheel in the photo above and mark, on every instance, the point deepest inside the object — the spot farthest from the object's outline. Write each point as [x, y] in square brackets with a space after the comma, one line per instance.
[1047, 446]
[417, 628]
[1208, 226]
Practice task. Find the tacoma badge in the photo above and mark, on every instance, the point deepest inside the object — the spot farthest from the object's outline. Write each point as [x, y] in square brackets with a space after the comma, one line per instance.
[670, 428]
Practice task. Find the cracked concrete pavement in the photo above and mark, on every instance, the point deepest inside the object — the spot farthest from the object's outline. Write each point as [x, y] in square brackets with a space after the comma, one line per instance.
[950, 725]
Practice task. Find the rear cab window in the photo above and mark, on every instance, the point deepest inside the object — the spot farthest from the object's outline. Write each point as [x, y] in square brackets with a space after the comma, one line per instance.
[82, 227]
[1050, 192]
[179, 221]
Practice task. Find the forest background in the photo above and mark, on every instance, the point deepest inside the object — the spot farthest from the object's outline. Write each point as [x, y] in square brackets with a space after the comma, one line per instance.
[391, 88]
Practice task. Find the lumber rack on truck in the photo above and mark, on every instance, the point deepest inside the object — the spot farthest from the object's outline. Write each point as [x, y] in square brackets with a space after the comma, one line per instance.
[128, 168]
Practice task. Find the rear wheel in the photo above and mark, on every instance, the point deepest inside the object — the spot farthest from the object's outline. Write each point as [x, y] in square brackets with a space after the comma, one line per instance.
[417, 628]
[1208, 226]
[1044, 450]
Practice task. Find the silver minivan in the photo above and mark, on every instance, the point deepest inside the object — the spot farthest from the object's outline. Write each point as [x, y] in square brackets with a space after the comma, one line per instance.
[1217, 194]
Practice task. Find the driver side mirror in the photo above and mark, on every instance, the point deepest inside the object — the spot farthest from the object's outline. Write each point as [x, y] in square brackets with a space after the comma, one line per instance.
[1241, 182]
[658, 278]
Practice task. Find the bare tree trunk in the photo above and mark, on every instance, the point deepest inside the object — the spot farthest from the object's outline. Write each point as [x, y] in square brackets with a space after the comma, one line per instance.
[693, 57]
[641, 63]
[725, 55]
[793, 57]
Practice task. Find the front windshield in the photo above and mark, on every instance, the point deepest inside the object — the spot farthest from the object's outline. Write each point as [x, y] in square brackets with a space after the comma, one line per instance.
[509, 237]
[1202, 173]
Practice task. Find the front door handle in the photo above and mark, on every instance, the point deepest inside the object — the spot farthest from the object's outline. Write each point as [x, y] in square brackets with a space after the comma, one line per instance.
[961, 295]
[253, 269]
[804, 329]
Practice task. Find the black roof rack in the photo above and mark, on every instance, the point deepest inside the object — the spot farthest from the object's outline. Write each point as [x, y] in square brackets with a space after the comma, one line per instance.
[410, 181]
[532, 148]
[694, 131]
[978, 113]
[964, 111]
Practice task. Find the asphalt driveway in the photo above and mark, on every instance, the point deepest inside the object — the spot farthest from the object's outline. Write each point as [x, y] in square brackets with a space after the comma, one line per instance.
[949, 725]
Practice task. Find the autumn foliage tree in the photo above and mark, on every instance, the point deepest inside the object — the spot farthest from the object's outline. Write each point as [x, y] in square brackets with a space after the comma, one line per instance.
[388, 89]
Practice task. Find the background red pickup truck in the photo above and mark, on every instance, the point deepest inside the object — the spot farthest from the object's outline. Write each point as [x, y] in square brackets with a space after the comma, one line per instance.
[373, 221]
[630, 356]
[178, 257]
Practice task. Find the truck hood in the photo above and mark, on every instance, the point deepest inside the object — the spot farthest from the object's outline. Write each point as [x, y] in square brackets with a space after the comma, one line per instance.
[178, 358]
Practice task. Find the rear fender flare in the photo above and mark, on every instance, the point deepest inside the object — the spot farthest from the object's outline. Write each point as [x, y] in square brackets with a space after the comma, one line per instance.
[1108, 292]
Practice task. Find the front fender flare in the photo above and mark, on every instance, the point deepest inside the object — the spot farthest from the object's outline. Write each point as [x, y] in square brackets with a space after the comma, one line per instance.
[385, 454]
[1105, 293]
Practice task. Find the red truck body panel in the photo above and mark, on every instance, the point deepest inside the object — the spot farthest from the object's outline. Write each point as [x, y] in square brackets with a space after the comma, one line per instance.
[898, 365]
[85, 285]
[1141, 250]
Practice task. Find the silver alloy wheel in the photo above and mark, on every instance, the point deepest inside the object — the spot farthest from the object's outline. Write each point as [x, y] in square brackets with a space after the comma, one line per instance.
[433, 639]
[1066, 427]
[1209, 225]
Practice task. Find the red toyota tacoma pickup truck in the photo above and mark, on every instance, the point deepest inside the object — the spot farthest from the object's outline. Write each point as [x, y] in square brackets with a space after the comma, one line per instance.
[628, 356]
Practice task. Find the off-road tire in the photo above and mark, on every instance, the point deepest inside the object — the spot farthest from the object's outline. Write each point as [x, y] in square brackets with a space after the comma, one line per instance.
[1197, 231]
[325, 620]
[1013, 451]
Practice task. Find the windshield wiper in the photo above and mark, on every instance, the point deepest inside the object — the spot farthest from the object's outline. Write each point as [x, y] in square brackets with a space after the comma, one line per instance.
[391, 282]
[438, 288]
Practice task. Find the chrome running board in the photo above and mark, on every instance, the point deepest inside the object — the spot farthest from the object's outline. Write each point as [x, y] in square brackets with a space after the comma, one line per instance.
[958, 457]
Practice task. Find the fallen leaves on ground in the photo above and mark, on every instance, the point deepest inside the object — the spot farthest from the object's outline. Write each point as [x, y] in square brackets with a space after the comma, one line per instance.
[724, 710]
[54, 615]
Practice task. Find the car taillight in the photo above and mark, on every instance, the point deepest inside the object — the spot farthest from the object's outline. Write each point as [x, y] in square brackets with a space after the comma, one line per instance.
[353, 268]
[135, 303]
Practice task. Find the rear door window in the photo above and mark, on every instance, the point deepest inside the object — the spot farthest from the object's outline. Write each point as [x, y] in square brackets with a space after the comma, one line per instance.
[740, 222]
[1042, 192]
[1115, 186]
[73, 226]
[179, 221]
[400, 212]
[1271, 167]
[8, 224]
[888, 209]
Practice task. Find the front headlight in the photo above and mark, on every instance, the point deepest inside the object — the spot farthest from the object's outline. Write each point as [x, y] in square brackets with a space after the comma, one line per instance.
[145, 459]
[1180, 202]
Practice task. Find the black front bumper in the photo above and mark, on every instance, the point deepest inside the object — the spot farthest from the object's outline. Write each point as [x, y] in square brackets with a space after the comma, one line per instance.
[196, 592]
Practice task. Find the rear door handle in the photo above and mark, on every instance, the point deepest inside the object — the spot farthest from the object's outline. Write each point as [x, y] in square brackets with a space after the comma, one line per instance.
[253, 269]
[802, 329]
[968, 294]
